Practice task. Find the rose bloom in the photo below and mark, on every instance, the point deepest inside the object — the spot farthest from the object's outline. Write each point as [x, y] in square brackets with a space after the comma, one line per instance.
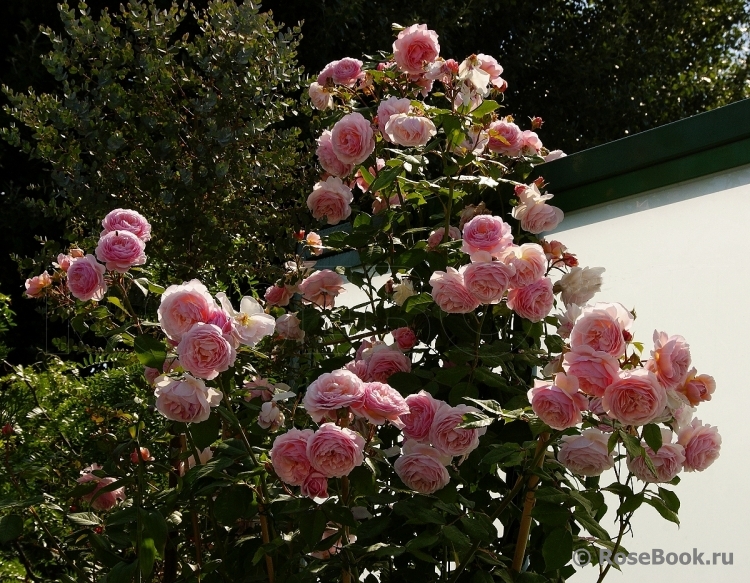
[105, 501]
[278, 295]
[490, 66]
[127, 220]
[421, 468]
[389, 107]
[120, 250]
[320, 98]
[586, 454]
[418, 421]
[321, 288]
[600, 330]
[475, 142]
[347, 72]
[251, 323]
[185, 399]
[410, 130]
[488, 280]
[182, 306]
[352, 139]
[505, 138]
[204, 456]
[357, 367]
[141, 453]
[289, 456]
[530, 143]
[554, 155]
[668, 461]
[403, 291]
[636, 398]
[330, 199]
[287, 327]
[533, 302]
[486, 233]
[204, 351]
[580, 285]
[450, 293]
[315, 243]
[383, 361]
[558, 404]
[567, 320]
[540, 217]
[270, 416]
[63, 261]
[697, 387]
[335, 451]
[415, 46]
[259, 388]
[436, 237]
[330, 392]
[595, 370]
[529, 264]
[702, 445]
[328, 159]
[380, 204]
[382, 403]
[405, 338]
[86, 279]
[36, 284]
[315, 486]
[445, 434]
[224, 321]
[670, 359]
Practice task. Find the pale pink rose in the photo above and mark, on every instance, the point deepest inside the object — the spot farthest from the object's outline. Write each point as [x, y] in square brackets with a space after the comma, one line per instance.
[586, 454]
[505, 137]
[278, 295]
[403, 291]
[315, 486]
[330, 392]
[668, 461]
[445, 434]
[558, 404]
[120, 250]
[86, 279]
[326, 74]
[529, 264]
[182, 306]
[702, 445]
[418, 421]
[330, 199]
[486, 233]
[405, 338]
[335, 451]
[490, 66]
[595, 370]
[352, 139]
[409, 130]
[533, 302]
[554, 155]
[568, 319]
[63, 261]
[682, 417]
[320, 97]
[36, 284]
[380, 204]
[220, 318]
[289, 456]
[250, 324]
[270, 416]
[389, 107]
[436, 237]
[151, 374]
[259, 388]
[357, 367]
[75, 253]
[600, 330]
[530, 143]
[287, 327]
[360, 180]
[382, 403]
[347, 72]
[315, 243]
[328, 159]
[636, 398]
[204, 457]
[104, 501]
[170, 363]
[127, 220]
[487, 281]
[383, 361]
[414, 47]
[541, 217]
[141, 453]
[450, 293]
[185, 399]
[204, 351]
[697, 387]
[441, 70]
[615, 309]
[579, 285]
[321, 288]
[670, 359]
[422, 469]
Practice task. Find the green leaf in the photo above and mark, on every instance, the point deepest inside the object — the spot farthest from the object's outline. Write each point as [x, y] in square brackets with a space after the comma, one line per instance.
[631, 504]
[422, 540]
[235, 503]
[670, 499]
[147, 556]
[474, 421]
[386, 176]
[482, 577]
[454, 535]
[590, 524]
[418, 304]
[373, 527]
[486, 107]
[479, 527]
[155, 528]
[206, 432]
[652, 436]
[662, 509]
[150, 351]
[557, 549]
[551, 514]
[11, 527]
[84, 519]
[312, 525]
[122, 572]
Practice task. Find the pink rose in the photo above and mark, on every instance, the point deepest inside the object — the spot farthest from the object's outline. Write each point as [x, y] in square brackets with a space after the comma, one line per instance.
[422, 469]
[670, 359]
[702, 444]
[445, 434]
[36, 284]
[185, 399]
[533, 302]
[636, 398]
[314, 242]
[104, 501]
[330, 392]
[320, 97]
[382, 403]
[409, 130]
[63, 261]
[529, 263]
[278, 295]
[259, 388]
[450, 293]
[667, 461]
[335, 451]
[182, 306]
[405, 338]
[328, 159]
[315, 486]
[595, 370]
[326, 74]
[530, 143]
[541, 217]
[204, 351]
[600, 330]
[558, 404]
[490, 66]
[436, 237]
[380, 204]
[352, 139]
[250, 324]
[383, 361]
[505, 137]
[347, 72]
[321, 288]
[287, 327]
[127, 220]
[586, 454]
[357, 367]
[697, 387]
[224, 321]
[270, 416]
[330, 199]
[389, 107]
[414, 47]
[486, 233]
[289, 456]
[141, 454]
[567, 320]
[418, 421]
[86, 279]
[120, 250]
[151, 374]
[488, 280]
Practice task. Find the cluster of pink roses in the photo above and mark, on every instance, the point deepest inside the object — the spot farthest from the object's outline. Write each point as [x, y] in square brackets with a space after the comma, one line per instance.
[103, 500]
[377, 361]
